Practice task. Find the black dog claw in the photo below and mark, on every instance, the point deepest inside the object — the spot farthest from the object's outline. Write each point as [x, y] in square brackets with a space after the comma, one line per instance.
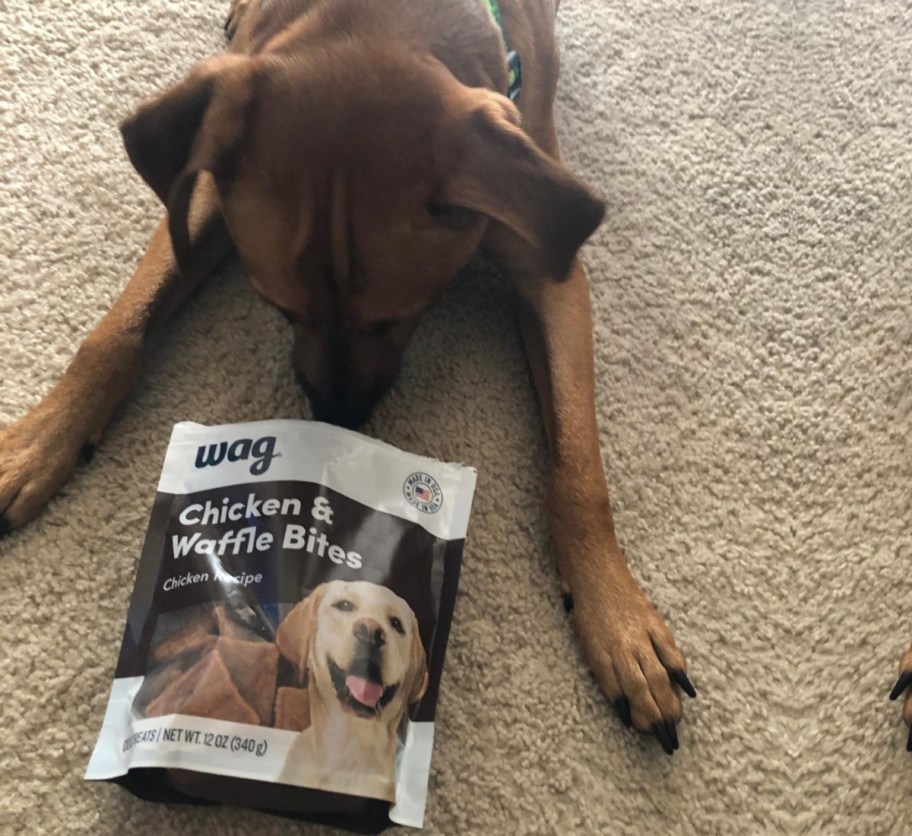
[5, 527]
[568, 602]
[661, 733]
[622, 707]
[88, 452]
[901, 684]
[672, 734]
[909, 742]
[686, 686]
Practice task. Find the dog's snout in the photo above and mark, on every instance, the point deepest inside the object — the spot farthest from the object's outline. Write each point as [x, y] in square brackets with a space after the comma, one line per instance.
[347, 416]
[370, 632]
[347, 410]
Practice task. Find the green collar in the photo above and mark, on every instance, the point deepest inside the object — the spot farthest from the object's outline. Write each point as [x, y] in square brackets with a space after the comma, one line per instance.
[514, 68]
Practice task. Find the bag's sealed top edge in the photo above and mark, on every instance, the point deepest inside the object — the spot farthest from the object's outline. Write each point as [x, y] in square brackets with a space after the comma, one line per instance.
[188, 430]
[433, 494]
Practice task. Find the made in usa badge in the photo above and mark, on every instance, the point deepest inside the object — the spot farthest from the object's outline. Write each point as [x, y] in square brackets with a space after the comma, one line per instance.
[422, 491]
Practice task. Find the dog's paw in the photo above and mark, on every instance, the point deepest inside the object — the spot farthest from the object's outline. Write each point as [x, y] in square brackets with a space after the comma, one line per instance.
[633, 657]
[902, 689]
[235, 13]
[38, 454]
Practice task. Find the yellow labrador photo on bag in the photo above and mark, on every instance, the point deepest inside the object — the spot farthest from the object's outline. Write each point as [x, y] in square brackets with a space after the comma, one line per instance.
[357, 647]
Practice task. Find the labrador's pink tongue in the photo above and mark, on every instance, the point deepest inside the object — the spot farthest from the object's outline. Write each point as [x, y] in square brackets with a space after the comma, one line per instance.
[364, 691]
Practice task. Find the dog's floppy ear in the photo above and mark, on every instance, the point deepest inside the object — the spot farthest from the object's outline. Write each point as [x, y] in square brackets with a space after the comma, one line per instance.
[499, 171]
[418, 666]
[297, 630]
[195, 126]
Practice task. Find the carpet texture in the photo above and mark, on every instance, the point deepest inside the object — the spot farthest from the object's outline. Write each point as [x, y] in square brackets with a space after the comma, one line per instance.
[754, 339]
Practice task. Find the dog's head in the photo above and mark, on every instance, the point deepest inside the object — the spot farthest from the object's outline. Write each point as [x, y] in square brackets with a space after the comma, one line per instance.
[356, 180]
[359, 646]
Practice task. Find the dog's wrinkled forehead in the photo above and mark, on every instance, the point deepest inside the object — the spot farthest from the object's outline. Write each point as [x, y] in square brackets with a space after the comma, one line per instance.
[329, 200]
[349, 108]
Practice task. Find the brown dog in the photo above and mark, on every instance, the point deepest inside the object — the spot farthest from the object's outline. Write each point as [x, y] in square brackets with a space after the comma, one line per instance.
[355, 154]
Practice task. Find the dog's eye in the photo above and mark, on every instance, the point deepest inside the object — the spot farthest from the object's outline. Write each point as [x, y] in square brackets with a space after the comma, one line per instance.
[344, 605]
[396, 624]
[378, 329]
[453, 217]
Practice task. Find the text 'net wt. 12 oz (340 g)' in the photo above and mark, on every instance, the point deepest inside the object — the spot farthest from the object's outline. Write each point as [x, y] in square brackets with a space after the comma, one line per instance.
[285, 638]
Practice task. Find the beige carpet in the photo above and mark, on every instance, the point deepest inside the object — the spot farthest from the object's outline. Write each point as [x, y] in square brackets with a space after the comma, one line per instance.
[754, 353]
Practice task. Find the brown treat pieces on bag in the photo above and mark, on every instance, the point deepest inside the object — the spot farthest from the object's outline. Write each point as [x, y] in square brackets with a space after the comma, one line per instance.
[161, 677]
[292, 709]
[185, 631]
[154, 683]
[206, 690]
[232, 628]
[252, 666]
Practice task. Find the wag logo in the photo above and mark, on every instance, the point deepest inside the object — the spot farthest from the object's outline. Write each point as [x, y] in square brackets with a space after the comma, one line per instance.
[262, 452]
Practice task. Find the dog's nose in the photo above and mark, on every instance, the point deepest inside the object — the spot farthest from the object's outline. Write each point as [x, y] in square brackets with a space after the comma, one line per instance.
[347, 416]
[369, 631]
[349, 413]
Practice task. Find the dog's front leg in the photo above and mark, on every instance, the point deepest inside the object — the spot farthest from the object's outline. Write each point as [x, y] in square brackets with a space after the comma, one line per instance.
[630, 649]
[902, 689]
[40, 450]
